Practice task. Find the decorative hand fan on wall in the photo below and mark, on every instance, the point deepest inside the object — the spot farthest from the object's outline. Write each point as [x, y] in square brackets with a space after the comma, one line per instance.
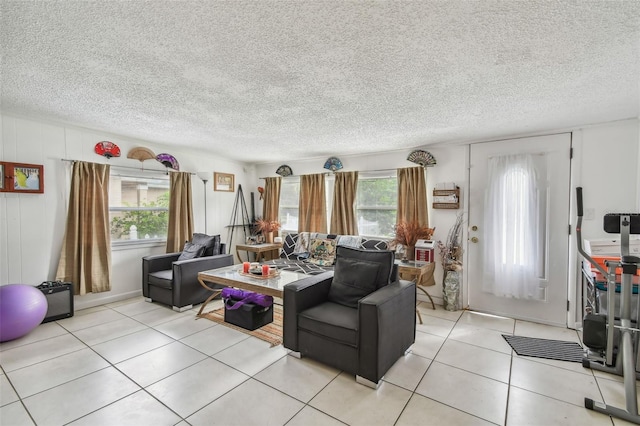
[333, 164]
[284, 171]
[141, 154]
[107, 149]
[423, 158]
[168, 161]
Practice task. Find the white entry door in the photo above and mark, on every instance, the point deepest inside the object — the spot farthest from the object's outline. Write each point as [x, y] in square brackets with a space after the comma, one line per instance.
[518, 250]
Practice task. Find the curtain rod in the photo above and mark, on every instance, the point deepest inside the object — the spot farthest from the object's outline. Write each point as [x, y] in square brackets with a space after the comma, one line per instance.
[359, 171]
[130, 168]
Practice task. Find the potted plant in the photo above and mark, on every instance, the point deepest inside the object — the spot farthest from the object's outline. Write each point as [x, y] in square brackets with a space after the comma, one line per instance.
[267, 228]
[408, 234]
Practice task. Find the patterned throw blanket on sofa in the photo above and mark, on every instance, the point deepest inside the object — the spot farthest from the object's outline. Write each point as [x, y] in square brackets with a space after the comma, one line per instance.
[313, 253]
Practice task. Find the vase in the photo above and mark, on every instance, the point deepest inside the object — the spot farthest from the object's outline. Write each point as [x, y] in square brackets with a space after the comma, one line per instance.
[269, 237]
[451, 290]
[410, 252]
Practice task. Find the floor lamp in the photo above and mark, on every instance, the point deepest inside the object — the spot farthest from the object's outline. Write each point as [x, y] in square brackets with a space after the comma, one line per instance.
[204, 176]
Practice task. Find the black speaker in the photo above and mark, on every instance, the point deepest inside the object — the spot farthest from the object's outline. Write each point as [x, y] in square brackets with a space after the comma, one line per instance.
[59, 298]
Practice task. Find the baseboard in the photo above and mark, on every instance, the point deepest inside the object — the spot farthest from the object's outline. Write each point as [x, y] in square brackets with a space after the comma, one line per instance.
[86, 304]
[437, 300]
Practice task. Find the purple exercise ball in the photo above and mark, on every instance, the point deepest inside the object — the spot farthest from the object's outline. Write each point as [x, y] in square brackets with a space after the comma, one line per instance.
[22, 308]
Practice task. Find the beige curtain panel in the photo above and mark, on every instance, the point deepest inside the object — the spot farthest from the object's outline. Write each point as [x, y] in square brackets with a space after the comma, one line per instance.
[412, 196]
[312, 207]
[86, 248]
[180, 227]
[270, 209]
[343, 213]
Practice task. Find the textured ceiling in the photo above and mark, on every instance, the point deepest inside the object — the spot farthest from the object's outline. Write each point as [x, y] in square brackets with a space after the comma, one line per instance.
[279, 80]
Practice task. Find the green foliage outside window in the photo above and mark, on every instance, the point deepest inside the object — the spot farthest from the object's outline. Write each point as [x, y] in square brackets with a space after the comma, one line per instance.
[377, 203]
[149, 222]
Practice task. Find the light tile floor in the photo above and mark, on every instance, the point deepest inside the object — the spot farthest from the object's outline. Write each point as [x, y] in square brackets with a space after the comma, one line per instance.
[139, 363]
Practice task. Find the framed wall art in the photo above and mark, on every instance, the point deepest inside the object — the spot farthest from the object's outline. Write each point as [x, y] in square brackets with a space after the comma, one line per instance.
[223, 182]
[22, 178]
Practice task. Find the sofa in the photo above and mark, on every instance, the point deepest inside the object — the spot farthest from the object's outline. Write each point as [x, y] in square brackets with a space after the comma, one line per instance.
[313, 253]
[172, 278]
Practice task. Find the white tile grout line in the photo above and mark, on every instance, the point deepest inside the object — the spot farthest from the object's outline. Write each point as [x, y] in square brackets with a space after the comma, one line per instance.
[413, 392]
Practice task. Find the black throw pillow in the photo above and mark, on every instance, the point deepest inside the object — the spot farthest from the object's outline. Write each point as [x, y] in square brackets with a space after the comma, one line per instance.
[353, 279]
[383, 257]
[210, 242]
[191, 251]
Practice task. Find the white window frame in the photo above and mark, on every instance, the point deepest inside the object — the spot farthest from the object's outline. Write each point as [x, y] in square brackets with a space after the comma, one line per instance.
[370, 176]
[141, 240]
[289, 181]
[329, 188]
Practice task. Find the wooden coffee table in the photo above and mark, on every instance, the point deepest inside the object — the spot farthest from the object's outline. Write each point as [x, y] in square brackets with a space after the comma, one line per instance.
[232, 276]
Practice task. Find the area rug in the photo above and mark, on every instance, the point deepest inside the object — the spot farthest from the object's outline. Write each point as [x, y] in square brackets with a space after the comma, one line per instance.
[271, 332]
[544, 348]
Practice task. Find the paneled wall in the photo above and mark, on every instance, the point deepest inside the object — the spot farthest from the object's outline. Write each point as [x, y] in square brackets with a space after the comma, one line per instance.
[605, 164]
[451, 167]
[608, 171]
[32, 225]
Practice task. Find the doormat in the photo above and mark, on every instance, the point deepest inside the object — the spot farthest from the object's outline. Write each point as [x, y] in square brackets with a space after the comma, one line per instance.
[271, 332]
[544, 348]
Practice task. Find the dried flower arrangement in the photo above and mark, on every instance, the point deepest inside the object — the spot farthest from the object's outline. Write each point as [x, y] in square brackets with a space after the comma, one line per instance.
[266, 226]
[408, 233]
[451, 250]
[451, 258]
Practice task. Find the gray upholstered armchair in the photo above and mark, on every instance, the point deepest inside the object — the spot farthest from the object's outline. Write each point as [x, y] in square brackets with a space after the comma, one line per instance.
[174, 282]
[358, 318]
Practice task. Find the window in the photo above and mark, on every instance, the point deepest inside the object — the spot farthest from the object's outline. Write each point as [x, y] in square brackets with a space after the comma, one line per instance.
[376, 204]
[515, 227]
[514, 217]
[288, 209]
[138, 207]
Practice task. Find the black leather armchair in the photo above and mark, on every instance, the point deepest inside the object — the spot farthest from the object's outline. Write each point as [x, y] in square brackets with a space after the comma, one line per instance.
[326, 319]
[174, 282]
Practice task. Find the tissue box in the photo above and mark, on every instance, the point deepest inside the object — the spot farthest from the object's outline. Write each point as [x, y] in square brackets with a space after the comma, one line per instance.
[424, 251]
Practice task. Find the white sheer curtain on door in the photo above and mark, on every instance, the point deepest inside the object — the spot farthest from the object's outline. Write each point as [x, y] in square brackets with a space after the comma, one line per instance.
[511, 256]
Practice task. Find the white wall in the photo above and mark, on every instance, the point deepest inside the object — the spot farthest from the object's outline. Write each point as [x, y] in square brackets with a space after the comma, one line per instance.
[605, 164]
[32, 225]
[450, 168]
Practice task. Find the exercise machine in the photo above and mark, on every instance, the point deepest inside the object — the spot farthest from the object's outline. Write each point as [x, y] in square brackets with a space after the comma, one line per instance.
[604, 334]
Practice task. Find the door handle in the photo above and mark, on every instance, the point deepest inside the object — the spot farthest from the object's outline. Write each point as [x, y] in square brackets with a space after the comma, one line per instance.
[474, 239]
